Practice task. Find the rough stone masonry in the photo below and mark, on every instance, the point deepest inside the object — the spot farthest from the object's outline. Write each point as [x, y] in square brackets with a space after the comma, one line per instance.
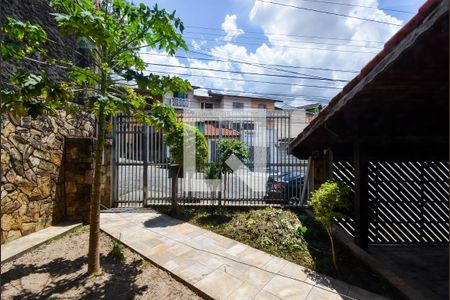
[31, 159]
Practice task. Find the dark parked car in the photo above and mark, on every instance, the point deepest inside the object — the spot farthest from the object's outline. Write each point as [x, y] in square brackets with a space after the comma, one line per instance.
[287, 187]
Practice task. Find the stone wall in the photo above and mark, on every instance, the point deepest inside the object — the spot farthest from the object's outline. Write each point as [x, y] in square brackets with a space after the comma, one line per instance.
[32, 182]
[78, 172]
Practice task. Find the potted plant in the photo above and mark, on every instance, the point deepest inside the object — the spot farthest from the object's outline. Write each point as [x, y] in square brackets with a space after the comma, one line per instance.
[213, 173]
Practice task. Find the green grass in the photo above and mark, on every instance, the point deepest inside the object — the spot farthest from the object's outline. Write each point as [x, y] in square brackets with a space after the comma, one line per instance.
[283, 234]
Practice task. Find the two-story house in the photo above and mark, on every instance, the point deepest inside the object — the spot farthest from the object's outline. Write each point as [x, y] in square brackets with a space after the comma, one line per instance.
[238, 126]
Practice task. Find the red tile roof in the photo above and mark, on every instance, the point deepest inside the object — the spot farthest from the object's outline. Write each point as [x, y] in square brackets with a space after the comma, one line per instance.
[213, 131]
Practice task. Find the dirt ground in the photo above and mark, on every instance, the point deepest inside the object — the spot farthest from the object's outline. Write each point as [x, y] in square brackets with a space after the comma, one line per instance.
[57, 270]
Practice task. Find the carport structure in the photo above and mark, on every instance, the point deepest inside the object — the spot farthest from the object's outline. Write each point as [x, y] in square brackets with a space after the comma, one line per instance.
[387, 134]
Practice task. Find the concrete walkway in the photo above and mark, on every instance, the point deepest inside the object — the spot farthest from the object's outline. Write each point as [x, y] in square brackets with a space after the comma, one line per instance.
[12, 249]
[219, 267]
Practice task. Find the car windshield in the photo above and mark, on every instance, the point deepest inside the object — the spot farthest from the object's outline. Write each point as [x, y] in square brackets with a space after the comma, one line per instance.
[292, 177]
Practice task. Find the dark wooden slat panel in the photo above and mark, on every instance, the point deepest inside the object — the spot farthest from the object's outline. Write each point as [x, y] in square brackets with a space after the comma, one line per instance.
[408, 201]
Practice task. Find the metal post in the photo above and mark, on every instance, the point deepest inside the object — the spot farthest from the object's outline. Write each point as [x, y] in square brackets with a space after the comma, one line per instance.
[361, 196]
[114, 161]
[217, 145]
[144, 157]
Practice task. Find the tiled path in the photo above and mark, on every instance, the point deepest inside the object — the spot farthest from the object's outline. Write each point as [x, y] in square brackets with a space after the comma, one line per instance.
[219, 267]
[28, 242]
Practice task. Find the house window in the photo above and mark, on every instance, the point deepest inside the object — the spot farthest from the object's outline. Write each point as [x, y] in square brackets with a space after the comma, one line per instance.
[206, 105]
[248, 126]
[238, 105]
[262, 106]
[179, 95]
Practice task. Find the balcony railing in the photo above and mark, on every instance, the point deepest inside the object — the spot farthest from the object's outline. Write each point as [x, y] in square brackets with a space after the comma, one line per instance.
[180, 102]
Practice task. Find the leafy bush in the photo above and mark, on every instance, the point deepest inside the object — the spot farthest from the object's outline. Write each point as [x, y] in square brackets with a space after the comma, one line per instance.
[175, 140]
[228, 147]
[213, 171]
[271, 229]
[164, 118]
[326, 202]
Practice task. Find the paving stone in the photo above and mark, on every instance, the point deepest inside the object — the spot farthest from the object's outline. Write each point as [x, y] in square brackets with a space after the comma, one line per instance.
[218, 284]
[294, 271]
[179, 249]
[286, 288]
[234, 269]
[194, 272]
[24, 244]
[245, 291]
[317, 293]
[211, 261]
[237, 249]
[275, 264]
[255, 257]
[257, 277]
[264, 295]
[220, 267]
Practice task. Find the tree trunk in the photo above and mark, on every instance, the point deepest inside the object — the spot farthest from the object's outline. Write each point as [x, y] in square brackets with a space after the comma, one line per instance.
[94, 231]
[333, 251]
[94, 251]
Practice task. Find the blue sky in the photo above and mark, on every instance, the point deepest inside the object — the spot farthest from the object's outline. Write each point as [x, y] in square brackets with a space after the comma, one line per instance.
[227, 38]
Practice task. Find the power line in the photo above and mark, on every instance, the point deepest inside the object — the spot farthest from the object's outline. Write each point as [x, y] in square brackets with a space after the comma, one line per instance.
[249, 80]
[248, 73]
[323, 99]
[256, 64]
[289, 35]
[274, 96]
[285, 46]
[274, 65]
[358, 5]
[235, 60]
[283, 40]
[328, 12]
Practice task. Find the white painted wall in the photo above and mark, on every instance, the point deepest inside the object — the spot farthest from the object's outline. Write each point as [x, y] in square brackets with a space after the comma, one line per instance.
[298, 122]
[227, 102]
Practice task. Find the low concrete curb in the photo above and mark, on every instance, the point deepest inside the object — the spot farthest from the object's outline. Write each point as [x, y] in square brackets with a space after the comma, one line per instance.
[16, 248]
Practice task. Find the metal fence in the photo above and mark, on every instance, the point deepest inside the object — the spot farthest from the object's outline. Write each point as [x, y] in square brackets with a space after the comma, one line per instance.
[408, 201]
[141, 162]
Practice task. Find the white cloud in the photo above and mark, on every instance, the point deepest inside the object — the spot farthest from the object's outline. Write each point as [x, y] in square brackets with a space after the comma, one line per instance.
[156, 62]
[346, 39]
[230, 27]
[197, 45]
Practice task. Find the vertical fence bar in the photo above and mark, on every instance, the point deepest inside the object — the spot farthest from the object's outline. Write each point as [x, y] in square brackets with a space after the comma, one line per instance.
[144, 163]
[114, 183]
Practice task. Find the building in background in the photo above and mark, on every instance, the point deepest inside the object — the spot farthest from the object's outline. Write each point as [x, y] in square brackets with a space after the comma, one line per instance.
[311, 110]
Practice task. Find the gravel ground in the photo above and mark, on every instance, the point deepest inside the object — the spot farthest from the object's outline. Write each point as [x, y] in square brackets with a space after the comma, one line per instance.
[57, 270]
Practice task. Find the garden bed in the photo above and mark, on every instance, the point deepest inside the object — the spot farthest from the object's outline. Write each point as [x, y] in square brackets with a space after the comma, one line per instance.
[57, 270]
[293, 236]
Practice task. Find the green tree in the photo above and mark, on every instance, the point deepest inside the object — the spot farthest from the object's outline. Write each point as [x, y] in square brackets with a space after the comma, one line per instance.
[113, 31]
[175, 140]
[164, 118]
[327, 202]
[226, 148]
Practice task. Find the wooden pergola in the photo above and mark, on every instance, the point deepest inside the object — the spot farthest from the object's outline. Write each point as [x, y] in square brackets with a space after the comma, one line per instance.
[397, 108]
